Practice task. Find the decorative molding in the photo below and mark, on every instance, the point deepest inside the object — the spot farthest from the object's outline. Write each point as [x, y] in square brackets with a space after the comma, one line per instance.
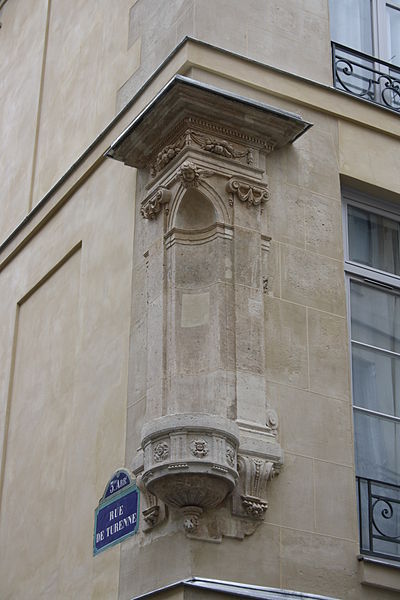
[166, 155]
[221, 147]
[210, 137]
[230, 455]
[153, 204]
[199, 237]
[244, 191]
[188, 104]
[255, 507]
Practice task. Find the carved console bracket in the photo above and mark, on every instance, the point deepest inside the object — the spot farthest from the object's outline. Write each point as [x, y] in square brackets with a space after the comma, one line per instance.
[153, 203]
[259, 460]
[155, 511]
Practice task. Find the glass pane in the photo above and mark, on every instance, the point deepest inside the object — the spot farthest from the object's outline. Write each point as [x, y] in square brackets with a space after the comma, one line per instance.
[374, 240]
[375, 316]
[351, 23]
[377, 443]
[376, 380]
[394, 35]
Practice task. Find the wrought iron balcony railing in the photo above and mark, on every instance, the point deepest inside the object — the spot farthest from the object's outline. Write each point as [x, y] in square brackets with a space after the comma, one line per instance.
[379, 518]
[366, 76]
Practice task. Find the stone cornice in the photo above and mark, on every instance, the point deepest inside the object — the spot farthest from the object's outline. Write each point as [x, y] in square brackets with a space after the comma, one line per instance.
[250, 121]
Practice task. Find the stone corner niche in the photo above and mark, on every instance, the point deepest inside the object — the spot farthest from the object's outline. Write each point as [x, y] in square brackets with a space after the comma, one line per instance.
[210, 439]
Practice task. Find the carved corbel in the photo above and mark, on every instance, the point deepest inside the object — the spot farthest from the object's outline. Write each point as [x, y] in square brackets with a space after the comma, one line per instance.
[155, 511]
[153, 204]
[245, 191]
[249, 498]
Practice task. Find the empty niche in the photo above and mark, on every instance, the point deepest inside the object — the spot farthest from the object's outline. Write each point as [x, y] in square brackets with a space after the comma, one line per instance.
[195, 212]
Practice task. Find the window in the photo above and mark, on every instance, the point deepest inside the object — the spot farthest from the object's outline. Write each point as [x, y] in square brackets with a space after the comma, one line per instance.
[366, 49]
[372, 262]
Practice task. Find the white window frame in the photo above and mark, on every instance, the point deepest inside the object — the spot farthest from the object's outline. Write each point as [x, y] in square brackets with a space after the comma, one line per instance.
[379, 29]
[368, 275]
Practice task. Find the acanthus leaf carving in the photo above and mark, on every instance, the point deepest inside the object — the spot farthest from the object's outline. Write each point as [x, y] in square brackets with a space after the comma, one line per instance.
[252, 194]
[249, 499]
[153, 204]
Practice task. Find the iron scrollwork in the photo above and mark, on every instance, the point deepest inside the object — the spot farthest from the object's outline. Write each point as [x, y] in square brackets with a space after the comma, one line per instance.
[379, 514]
[366, 77]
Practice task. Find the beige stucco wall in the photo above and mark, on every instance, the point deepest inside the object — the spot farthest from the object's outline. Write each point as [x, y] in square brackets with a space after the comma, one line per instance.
[64, 332]
[22, 42]
[66, 295]
[58, 88]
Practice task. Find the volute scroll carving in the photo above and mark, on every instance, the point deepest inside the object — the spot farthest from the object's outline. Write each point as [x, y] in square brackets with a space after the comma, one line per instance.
[153, 204]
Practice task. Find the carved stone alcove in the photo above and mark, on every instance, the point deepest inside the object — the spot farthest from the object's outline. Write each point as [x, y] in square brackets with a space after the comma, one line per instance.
[209, 438]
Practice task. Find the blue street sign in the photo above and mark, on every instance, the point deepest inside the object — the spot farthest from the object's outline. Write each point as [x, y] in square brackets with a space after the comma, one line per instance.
[117, 516]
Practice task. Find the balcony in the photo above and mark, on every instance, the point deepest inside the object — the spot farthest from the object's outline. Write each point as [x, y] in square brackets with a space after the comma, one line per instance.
[379, 518]
[366, 77]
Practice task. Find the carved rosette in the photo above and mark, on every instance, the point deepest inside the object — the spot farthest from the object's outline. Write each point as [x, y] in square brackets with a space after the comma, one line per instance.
[197, 470]
[248, 192]
[161, 451]
[199, 448]
[153, 204]
[272, 421]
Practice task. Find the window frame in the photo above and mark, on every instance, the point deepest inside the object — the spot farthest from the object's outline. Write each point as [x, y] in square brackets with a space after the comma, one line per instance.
[365, 274]
[379, 30]
[391, 283]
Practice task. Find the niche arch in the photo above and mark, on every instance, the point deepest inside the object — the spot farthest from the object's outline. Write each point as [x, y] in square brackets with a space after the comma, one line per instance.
[201, 202]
